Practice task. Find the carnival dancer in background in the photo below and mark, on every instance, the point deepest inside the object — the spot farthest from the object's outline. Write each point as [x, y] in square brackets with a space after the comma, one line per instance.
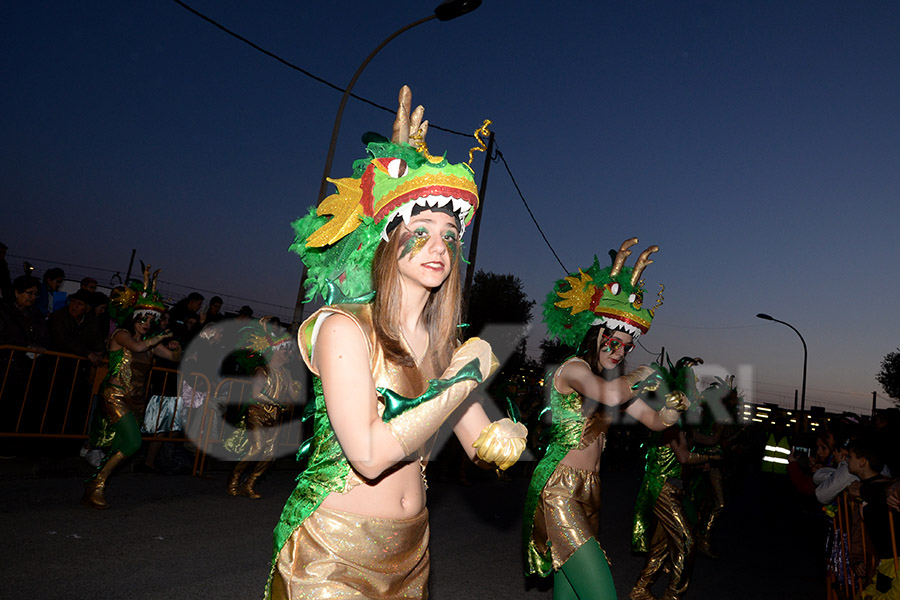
[131, 347]
[384, 253]
[269, 350]
[600, 312]
[708, 485]
[662, 519]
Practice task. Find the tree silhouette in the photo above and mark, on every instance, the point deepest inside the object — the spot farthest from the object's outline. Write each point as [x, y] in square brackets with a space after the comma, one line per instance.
[889, 376]
[499, 312]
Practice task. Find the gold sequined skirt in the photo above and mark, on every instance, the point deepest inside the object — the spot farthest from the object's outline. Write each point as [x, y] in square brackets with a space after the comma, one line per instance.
[341, 555]
[568, 513]
[116, 403]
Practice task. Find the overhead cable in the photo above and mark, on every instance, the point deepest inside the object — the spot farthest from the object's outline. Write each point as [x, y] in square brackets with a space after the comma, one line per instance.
[300, 69]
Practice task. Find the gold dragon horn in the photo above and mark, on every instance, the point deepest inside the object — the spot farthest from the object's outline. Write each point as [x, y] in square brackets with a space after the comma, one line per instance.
[642, 262]
[621, 255]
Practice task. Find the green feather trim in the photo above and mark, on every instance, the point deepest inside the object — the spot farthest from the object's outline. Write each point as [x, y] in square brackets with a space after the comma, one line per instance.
[342, 272]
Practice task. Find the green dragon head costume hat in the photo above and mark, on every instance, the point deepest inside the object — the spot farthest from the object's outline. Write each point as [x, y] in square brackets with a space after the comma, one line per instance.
[136, 299]
[259, 341]
[613, 296]
[337, 240]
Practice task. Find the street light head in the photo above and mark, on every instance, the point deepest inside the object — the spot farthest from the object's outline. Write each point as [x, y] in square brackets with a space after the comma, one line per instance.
[450, 9]
[765, 316]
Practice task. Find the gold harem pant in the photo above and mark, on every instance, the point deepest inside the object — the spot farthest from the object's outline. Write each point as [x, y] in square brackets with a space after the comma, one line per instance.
[568, 513]
[340, 555]
[672, 544]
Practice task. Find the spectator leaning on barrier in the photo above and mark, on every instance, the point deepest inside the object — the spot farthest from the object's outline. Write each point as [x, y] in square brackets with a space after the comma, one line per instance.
[830, 482]
[873, 489]
[50, 298]
[21, 324]
[73, 328]
[184, 316]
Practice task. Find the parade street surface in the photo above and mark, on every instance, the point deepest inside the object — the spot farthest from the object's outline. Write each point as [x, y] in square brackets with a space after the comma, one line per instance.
[174, 537]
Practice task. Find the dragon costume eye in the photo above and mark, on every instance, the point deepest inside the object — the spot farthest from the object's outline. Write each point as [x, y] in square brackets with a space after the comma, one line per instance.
[613, 288]
[397, 168]
[636, 300]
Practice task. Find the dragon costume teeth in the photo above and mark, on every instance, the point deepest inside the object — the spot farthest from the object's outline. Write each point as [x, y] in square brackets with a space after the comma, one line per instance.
[613, 296]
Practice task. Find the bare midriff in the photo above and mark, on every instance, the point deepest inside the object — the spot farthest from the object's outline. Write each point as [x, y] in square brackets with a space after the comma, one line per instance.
[400, 495]
[587, 459]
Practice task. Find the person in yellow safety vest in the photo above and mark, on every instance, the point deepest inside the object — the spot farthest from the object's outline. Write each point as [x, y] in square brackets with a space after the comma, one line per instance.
[775, 456]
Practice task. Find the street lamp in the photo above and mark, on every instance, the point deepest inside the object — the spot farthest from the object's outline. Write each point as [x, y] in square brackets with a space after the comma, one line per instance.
[445, 11]
[803, 385]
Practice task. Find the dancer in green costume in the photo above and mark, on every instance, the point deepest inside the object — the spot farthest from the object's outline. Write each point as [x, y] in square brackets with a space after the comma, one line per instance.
[131, 348]
[663, 515]
[384, 253]
[599, 311]
[266, 353]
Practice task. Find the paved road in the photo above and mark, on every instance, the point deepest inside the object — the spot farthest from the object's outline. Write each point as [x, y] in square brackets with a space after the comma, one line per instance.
[173, 537]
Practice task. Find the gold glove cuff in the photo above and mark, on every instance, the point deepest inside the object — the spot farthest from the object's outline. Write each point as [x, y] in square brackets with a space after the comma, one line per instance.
[637, 376]
[413, 428]
[501, 443]
[669, 416]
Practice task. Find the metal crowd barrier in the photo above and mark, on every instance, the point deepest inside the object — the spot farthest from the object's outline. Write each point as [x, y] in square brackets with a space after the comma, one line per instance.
[842, 582]
[46, 394]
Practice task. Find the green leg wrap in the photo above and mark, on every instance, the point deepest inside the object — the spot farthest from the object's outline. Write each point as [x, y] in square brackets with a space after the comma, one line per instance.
[128, 436]
[561, 588]
[587, 575]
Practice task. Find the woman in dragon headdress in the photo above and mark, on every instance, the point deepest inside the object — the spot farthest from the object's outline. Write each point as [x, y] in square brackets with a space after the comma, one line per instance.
[267, 350]
[131, 347]
[384, 252]
[600, 312]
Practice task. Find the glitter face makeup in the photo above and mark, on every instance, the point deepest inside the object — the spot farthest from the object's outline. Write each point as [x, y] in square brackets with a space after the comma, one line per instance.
[414, 241]
[452, 243]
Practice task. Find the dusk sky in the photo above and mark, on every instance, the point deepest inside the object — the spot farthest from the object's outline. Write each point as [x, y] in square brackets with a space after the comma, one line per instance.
[757, 143]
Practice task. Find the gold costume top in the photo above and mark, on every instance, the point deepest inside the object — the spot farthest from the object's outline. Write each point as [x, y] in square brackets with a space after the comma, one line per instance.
[128, 372]
[328, 470]
[570, 429]
[277, 387]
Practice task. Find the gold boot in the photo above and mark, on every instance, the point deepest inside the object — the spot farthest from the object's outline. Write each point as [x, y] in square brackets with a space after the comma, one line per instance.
[258, 469]
[95, 489]
[233, 487]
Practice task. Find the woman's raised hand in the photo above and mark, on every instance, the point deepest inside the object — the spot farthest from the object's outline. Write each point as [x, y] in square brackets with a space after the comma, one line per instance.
[474, 348]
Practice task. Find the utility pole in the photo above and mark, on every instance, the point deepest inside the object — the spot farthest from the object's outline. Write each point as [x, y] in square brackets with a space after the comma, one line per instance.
[130, 265]
[476, 226]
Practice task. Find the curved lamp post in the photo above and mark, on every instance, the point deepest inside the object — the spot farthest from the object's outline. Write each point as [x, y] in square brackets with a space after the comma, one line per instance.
[445, 11]
[803, 385]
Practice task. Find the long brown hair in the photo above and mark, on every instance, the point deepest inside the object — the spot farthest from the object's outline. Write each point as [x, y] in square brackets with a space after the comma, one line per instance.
[441, 315]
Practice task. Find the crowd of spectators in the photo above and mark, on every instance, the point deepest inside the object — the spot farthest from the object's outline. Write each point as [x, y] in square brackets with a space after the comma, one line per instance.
[35, 313]
[853, 469]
